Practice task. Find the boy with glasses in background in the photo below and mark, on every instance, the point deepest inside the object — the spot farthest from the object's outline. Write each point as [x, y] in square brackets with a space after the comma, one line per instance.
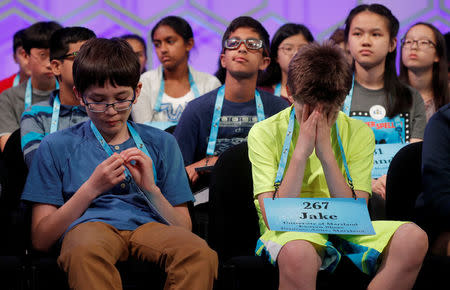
[62, 110]
[223, 117]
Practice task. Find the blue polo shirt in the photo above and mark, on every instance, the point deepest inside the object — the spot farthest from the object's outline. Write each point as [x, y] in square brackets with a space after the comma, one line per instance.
[67, 158]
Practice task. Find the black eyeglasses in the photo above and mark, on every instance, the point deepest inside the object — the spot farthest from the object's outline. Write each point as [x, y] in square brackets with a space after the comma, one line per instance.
[74, 54]
[102, 107]
[421, 43]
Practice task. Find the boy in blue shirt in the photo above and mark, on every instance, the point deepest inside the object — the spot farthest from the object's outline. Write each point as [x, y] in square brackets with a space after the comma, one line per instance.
[96, 191]
[223, 117]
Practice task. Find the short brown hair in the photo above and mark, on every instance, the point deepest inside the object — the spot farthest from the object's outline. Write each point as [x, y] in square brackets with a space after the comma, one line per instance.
[319, 73]
[101, 60]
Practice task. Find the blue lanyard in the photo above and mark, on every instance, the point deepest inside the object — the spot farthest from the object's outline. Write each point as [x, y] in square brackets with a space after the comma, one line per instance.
[161, 90]
[285, 153]
[277, 91]
[348, 99]
[29, 92]
[16, 80]
[137, 140]
[55, 114]
[218, 113]
[348, 104]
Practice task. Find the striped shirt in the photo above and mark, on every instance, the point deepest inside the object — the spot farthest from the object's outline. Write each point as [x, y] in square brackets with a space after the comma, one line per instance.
[35, 123]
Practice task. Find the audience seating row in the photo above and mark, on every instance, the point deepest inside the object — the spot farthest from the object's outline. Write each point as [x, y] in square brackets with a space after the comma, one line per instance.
[230, 227]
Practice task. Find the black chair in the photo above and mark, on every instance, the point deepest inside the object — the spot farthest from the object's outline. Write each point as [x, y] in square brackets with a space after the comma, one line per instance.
[14, 217]
[234, 230]
[404, 182]
[403, 186]
[170, 129]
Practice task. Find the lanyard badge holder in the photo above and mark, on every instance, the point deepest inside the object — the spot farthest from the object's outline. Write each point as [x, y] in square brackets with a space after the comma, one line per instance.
[348, 104]
[285, 152]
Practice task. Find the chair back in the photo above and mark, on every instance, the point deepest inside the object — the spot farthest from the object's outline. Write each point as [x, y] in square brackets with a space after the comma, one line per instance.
[233, 222]
[404, 182]
[15, 216]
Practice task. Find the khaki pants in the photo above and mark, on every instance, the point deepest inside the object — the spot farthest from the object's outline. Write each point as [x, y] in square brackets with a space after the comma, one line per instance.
[90, 250]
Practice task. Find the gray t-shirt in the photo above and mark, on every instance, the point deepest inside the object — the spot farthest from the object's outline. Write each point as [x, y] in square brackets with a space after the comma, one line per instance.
[369, 106]
[12, 105]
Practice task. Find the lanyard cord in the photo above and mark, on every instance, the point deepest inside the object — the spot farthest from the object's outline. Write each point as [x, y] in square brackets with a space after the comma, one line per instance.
[29, 92]
[218, 113]
[55, 114]
[137, 140]
[277, 91]
[161, 90]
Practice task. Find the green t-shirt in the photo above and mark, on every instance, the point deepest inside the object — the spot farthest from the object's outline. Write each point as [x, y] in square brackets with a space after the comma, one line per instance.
[265, 143]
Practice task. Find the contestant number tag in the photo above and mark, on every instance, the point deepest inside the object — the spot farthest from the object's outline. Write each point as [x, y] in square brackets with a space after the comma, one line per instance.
[382, 157]
[342, 216]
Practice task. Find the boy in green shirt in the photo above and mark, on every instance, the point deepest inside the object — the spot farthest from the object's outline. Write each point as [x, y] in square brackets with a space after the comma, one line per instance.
[318, 81]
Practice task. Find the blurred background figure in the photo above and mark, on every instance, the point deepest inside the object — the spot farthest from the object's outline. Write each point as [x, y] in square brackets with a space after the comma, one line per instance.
[24, 73]
[338, 37]
[424, 65]
[285, 43]
[139, 46]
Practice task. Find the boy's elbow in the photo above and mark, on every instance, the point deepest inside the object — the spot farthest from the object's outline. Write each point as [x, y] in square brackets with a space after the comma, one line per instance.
[40, 244]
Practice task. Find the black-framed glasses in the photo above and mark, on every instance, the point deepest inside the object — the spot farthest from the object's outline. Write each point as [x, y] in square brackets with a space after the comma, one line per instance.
[72, 54]
[250, 43]
[102, 107]
[289, 49]
[421, 43]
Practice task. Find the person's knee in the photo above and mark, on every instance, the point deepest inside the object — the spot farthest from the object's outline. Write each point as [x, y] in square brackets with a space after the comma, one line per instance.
[203, 254]
[414, 242]
[82, 254]
[298, 254]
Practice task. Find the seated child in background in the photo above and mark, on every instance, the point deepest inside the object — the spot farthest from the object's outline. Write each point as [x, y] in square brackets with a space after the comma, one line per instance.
[63, 109]
[39, 86]
[205, 131]
[24, 73]
[394, 111]
[167, 89]
[424, 65]
[285, 43]
[107, 189]
[318, 80]
[139, 47]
